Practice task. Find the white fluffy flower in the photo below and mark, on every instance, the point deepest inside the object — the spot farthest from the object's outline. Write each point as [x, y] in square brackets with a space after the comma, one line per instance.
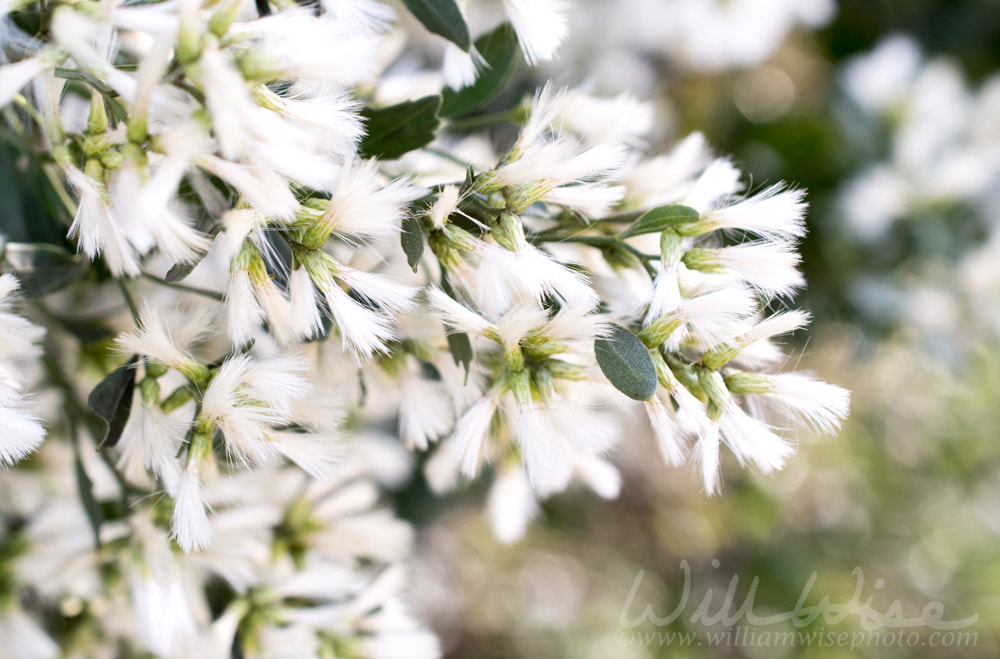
[511, 505]
[363, 207]
[669, 436]
[191, 527]
[364, 331]
[151, 440]
[801, 397]
[424, 410]
[167, 336]
[21, 431]
[295, 44]
[540, 25]
[471, 429]
[776, 212]
[247, 398]
[14, 77]
[766, 266]
[101, 232]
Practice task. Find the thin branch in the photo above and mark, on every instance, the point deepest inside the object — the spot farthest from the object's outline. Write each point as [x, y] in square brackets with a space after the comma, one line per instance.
[447, 156]
[129, 302]
[602, 241]
[219, 297]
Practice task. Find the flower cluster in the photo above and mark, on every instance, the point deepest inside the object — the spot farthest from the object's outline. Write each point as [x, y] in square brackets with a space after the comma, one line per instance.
[624, 44]
[942, 142]
[933, 178]
[308, 569]
[314, 266]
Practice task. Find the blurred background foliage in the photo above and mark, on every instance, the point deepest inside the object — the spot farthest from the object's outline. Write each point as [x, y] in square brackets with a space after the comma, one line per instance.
[907, 496]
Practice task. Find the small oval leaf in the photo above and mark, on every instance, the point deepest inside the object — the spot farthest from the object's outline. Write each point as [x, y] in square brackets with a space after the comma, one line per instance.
[626, 362]
[111, 400]
[662, 217]
[398, 129]
[461, 351]
[412, 239]
[442, 17]
[180, 270]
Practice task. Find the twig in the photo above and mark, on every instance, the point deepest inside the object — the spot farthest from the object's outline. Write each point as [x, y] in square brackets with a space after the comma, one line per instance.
[184, 287]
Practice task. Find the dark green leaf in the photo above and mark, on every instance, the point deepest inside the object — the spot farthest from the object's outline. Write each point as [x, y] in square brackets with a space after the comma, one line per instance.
[111, 400]
[412, 239]
[84, 76]
[42, 268]
[109, 94]
[442, 17]
[429, 371]
[461, 351]
[15, 184]
[399, 129]
[180, 270]
[31, 209]
[500, 50]
[662, 217]
[625, 361]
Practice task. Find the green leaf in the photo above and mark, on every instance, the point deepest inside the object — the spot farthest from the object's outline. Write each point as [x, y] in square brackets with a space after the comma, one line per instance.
[429, 371]
[111, 400]
[84, 76]
[500, 51]
[180, 270]
[662, 217]
[43, 268]
[442, 17]
[109, 94]
[412, 239]
[399, 129]
[31, 210]
[461, 351]
[626, 362]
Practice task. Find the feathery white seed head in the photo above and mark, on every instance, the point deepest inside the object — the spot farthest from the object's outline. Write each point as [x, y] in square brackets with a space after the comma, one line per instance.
[669, 436]
[775, 213]
[511, 504]
[191, 527]
[823, 406]
[470, 433]
[540, 26]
